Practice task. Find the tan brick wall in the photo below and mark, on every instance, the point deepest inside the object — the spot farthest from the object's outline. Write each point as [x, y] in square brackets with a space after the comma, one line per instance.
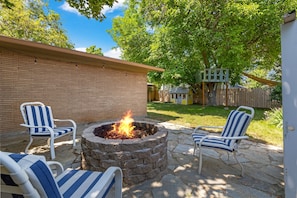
[83, 93]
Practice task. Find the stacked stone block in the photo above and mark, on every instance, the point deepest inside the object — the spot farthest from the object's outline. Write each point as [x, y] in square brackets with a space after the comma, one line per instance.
[140, 159]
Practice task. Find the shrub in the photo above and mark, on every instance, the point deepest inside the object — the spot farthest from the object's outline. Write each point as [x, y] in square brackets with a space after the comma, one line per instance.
[276, 93]
[275, 117]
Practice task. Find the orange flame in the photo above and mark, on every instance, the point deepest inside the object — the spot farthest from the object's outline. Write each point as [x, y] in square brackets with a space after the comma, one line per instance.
[125, 126]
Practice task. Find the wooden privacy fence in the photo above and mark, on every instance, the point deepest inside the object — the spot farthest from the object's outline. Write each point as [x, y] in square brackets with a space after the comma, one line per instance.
[256, 97]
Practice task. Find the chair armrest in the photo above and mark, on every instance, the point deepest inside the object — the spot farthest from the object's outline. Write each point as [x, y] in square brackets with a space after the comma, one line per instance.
[208, 127]
[47, 127]
[32, 126]
[235, 138]
[225, 138]
[107, 178]
[56, 167]
[66, 120]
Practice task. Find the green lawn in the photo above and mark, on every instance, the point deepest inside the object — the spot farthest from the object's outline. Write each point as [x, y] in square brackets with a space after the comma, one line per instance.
[194, 115]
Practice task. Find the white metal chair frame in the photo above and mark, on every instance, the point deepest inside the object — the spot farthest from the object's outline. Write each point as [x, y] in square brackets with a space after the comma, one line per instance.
[19, 176]
[25, 187]
[51, 137]
[234, 146]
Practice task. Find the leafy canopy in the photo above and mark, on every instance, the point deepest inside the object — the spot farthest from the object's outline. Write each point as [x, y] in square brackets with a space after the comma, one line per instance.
[91, 8]
[93, 50]
[187, 36]
[6, 4]
[32, 20]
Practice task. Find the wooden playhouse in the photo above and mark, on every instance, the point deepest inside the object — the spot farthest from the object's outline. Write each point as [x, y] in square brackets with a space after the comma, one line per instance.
[181, 95]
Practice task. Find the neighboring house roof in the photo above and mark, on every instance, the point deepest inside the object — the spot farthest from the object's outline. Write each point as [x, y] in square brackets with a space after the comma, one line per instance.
[179, 90]
[35, 49]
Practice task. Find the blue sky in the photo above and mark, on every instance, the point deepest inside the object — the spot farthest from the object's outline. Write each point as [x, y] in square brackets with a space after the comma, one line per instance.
[84, 32]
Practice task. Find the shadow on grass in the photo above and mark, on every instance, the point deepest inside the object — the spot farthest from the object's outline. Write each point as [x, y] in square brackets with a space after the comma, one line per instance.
[257, 140]
[161, 117]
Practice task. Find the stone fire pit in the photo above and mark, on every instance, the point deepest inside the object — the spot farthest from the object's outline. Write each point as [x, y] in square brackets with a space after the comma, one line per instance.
[140, 158]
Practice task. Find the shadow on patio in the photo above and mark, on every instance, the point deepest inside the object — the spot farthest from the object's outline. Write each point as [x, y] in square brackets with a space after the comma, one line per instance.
[220, 177]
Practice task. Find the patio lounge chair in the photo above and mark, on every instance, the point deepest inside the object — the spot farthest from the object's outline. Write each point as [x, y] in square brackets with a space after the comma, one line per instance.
[232, 133]
[39, 120]
[24, 175]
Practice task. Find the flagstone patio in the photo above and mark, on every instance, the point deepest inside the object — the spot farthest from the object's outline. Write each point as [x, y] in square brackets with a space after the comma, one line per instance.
[220, 177]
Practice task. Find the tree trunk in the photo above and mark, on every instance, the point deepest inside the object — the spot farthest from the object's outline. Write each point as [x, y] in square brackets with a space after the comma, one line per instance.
[212, 92]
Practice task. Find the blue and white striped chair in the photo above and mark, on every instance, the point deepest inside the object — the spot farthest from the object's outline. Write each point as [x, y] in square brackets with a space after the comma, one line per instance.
[39, 120]
[24, 175]
[233, 132]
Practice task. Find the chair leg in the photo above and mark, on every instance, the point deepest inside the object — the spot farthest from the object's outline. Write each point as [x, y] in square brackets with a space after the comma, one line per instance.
[49, 142]
[29, 144]
[195, 146]
[74, 133]
[73, 139]
[242, 170]
[200, 160]
[200, 157]
[52, 148]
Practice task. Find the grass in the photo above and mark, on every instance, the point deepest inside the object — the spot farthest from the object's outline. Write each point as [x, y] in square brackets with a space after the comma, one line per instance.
[259, 130]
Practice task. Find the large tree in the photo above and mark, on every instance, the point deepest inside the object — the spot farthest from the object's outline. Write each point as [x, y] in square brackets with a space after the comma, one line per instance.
[130, 33]
[187, 36]
[93, 50]
[91, 8]
[32, 20]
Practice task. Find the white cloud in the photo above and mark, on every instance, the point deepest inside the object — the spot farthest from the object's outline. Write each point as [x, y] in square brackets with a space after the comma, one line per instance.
[115, 6]
[82, 49]
[66, 7]
[114, 53]
[106, 9]
[150, 29]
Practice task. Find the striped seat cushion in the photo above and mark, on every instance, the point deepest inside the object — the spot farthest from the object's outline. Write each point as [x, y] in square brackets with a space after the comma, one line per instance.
[38, 172]
[78, 183]
[211, 142]
[57, 132]
[42, 116]
[236, 125]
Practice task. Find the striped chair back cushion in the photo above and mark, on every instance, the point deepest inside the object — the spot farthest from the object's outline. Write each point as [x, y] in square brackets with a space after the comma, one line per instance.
[236, 125]
[39, 116]
[38, 172]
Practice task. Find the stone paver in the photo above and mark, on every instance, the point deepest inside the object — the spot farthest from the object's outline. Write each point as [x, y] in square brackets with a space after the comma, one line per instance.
[220, 177]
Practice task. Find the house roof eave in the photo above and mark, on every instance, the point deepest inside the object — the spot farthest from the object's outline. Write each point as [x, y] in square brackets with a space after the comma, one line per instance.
[37, 50]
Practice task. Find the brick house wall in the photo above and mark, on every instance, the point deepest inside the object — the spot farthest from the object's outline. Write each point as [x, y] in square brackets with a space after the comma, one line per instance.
[82, 92]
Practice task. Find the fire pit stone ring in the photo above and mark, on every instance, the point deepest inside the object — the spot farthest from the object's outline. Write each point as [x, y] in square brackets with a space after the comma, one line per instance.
[140, 158]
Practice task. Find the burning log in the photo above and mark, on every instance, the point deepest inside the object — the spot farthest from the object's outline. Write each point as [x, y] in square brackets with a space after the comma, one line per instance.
[125, 129]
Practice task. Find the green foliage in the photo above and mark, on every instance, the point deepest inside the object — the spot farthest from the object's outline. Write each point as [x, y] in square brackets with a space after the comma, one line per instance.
[32, 20]
[276, 93]
[93, 50]
[186, 36]
[6, 4]
[130, 31]
[275, 117]
[91, 8]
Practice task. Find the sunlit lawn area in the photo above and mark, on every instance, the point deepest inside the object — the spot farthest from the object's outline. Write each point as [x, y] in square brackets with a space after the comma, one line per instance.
[193, 115]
